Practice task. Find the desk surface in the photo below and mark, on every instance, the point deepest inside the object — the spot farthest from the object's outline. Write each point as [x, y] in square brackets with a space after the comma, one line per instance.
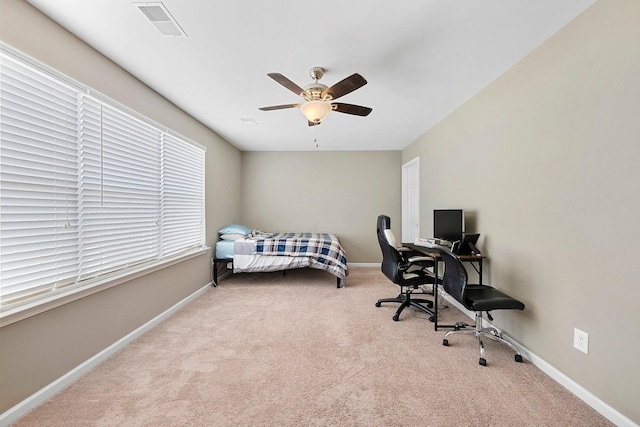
[433, 253]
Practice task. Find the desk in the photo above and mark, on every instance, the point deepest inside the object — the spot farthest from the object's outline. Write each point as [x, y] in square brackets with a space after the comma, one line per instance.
[433, 253]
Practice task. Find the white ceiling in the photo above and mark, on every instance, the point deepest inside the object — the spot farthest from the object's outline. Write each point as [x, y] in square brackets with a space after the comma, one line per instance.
[422, 59]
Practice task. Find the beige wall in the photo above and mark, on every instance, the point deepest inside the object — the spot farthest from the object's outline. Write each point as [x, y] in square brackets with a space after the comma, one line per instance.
[39, 349]
[546, 158]
[335, 192]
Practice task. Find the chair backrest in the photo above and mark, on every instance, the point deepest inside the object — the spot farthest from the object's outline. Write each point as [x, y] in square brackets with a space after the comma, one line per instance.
[384, 223]
[455, 277]
[391, 259]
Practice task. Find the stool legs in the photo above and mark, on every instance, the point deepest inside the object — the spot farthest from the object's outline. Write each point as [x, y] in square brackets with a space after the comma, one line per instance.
[480, 332]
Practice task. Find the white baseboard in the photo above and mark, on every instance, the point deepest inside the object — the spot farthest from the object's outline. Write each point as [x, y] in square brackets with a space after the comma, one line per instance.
[583, 394]
[41, 396]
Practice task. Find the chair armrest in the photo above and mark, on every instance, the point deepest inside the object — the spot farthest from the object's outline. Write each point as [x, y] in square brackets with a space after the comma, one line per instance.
[416, 259]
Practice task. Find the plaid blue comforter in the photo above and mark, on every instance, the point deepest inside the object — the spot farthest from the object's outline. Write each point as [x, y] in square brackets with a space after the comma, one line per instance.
[323, 249]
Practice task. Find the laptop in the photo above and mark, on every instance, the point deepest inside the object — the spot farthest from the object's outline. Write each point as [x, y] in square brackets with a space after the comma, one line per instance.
[467, 245]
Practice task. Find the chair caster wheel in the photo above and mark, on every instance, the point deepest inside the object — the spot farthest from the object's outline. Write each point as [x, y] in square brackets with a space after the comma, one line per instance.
[518, 358]
[483, 361]
[396, 318]
[445, 342]
[378, 304]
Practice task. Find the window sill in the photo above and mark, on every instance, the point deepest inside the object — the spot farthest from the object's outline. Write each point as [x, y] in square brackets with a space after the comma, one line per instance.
[65, 296]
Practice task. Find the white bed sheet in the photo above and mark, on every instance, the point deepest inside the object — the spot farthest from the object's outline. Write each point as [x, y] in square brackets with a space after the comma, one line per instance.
[258, 263]
[245, 260]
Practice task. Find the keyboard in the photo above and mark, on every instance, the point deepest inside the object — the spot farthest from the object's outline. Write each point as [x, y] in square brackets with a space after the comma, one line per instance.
[431, 242]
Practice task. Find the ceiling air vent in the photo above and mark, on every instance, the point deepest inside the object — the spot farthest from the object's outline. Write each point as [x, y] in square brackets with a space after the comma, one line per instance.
[159, 16]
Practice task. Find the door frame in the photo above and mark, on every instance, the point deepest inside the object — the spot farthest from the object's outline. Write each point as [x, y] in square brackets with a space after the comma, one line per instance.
[410, 200]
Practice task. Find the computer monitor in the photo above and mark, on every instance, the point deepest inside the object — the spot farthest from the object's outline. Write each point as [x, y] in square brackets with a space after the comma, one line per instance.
[448, 224]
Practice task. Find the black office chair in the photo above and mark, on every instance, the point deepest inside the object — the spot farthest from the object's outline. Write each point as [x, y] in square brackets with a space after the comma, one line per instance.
[409, 272]
[478, 298]
[383, 230]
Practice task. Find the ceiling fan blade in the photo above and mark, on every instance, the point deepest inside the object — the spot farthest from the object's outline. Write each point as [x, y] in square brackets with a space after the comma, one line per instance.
[343, 87]
[356, 110]
[279, 107]
[287, 83]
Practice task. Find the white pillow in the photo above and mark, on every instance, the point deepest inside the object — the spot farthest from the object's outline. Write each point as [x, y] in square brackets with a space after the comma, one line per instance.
[231, 236]
[235, 229]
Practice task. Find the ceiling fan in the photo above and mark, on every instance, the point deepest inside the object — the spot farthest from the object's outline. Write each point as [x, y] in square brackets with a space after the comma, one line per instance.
[319, 97]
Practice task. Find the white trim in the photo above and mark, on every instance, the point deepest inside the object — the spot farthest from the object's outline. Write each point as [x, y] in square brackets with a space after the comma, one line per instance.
[410, 201]
[582, 393]
[41, 396]
[364, 264]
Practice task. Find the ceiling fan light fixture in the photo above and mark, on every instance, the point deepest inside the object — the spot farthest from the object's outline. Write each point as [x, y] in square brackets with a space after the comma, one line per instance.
[319, 98]
[316, 110]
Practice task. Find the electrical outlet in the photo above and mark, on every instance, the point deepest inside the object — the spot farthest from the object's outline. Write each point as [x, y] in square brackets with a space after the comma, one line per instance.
[581, 340]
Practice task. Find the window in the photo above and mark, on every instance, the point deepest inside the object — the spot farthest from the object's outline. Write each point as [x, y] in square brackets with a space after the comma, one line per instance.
[87, 187]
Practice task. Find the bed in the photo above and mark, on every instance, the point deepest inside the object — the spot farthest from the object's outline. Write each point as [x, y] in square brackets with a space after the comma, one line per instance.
[247, 251]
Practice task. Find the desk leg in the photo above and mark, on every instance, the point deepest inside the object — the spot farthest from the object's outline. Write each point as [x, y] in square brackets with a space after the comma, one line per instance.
[435, 302]
[435, 295]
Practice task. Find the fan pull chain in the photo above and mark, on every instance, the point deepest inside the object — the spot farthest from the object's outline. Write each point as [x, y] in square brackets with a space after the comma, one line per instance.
[315, 135]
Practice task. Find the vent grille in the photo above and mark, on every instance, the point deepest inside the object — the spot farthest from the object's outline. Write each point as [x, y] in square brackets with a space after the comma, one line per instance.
[155, 13]
[159, 16]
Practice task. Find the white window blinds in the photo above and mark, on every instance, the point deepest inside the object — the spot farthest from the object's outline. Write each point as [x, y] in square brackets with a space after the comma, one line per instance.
[38, 166]
[182, 196]
[86, 187]
[119, 189]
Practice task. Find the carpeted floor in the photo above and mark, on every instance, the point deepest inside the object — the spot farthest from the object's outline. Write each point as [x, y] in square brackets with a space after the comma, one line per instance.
[273, 350]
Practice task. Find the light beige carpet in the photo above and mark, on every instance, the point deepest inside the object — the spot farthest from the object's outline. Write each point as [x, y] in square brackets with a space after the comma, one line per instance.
[273, 350]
